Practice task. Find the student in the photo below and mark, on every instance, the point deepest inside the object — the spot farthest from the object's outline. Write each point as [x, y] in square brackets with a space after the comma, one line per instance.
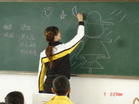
[54, 60]
[61, 87]
[136, 99]
[14, 97]
[2, 103]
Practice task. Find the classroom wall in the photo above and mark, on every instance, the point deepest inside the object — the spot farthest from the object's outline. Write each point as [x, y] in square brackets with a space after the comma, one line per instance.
[84, 90]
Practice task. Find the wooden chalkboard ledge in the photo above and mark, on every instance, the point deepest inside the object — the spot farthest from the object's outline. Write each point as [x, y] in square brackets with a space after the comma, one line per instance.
[107, 76]
[73, 75]
[18, 72]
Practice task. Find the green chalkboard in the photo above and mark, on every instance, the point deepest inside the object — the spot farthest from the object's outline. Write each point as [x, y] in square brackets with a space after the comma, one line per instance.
[110, 45]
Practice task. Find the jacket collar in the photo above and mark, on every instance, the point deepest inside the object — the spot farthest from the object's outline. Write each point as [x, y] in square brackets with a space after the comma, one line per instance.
[54, 43]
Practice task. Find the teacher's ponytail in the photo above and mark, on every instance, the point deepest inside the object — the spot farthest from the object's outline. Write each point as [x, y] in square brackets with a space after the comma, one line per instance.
[50, 33]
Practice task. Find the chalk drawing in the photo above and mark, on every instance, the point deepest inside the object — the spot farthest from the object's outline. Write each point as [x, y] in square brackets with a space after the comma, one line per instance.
[101, 22]
[119, 14]
[117, 38]
[109, 33]
[77, 64]
[76, 56]
[95, 64]
[116, 12]
[107, 41]
[82, 43]
[97, 56]
[46, 11]
[74, 11]
[62, 15]
[88, 64]
[122, 18]
[107, 56]
[95, 37]
[90, 70]
[99, 65]
[113, 12]
[100, 18]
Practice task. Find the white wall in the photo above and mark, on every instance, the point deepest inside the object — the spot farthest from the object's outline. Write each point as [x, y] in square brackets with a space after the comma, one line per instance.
[84, 90]
[23, 83]
[91, 90]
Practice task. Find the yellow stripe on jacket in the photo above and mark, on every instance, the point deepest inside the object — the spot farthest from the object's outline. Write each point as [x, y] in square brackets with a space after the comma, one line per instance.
[55, 57]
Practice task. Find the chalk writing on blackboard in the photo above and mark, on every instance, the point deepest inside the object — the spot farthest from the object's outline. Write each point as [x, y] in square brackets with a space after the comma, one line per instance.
[28, 52]
[8, 35]
[25, 27]
[7, 27]
[62, 15]
[46, 11]
[27, 37]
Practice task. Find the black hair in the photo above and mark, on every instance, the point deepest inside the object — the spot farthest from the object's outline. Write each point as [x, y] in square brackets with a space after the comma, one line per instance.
[61, 85]
[14, 97]
[2, 102]
[50, 33]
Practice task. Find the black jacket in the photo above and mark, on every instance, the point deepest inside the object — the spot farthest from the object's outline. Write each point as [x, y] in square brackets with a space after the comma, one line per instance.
[61, 52]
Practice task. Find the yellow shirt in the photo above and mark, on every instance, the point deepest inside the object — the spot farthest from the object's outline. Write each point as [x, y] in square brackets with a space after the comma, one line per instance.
[60, 100]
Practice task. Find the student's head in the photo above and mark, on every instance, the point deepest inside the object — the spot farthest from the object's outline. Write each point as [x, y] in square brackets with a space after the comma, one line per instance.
[52, 34]
[61, 86]
[14, 97]
[2, 103]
